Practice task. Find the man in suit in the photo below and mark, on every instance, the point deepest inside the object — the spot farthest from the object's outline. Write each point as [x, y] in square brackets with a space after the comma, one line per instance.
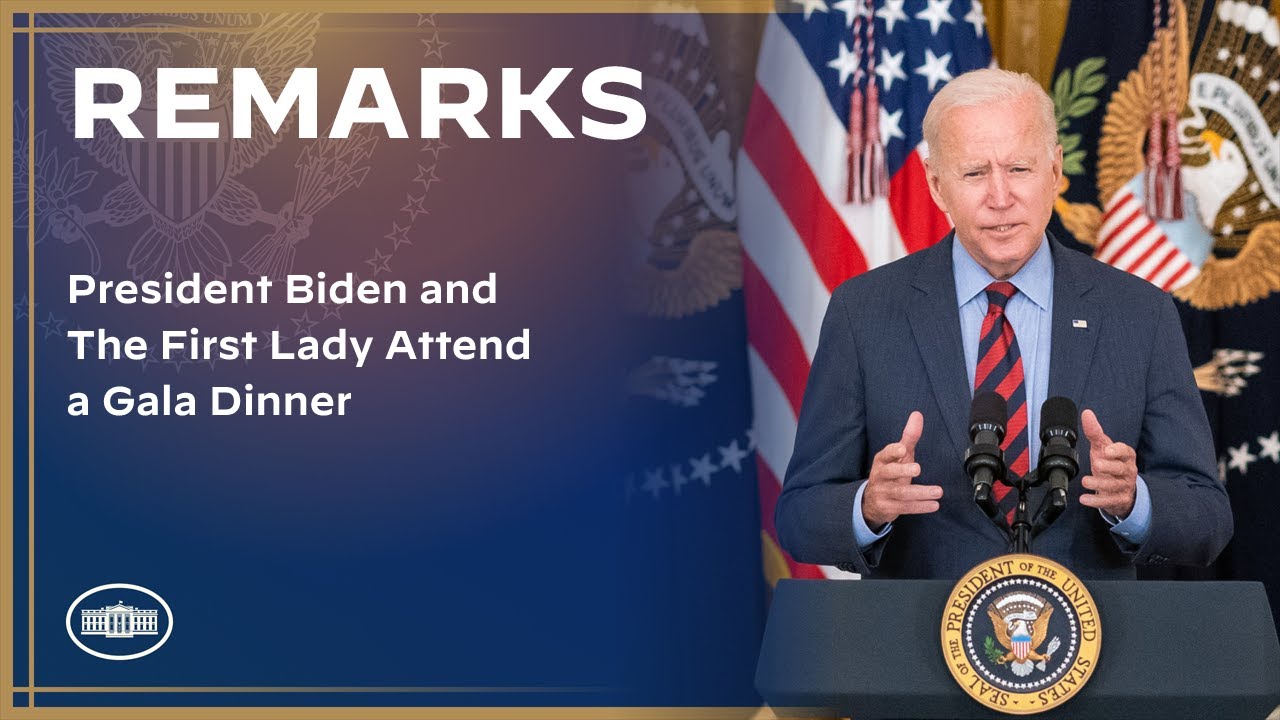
[876, 483]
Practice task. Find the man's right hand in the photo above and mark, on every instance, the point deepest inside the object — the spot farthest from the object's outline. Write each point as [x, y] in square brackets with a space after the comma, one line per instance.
[889, 491]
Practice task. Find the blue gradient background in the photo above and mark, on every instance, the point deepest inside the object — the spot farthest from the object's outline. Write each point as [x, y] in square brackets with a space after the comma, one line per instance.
[465, 523]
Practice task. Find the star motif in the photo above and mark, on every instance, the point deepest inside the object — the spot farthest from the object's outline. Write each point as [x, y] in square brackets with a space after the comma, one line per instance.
[426, 19]
[732, 456]
[21, 308]
[51, 326]
[333, 310]
[703, 469]
[890, 68]
[434, 146]
[426, 176]
[1270, 447]
[935, 68]
[379, 262]
[1240, 458]
[177, 364]
[302, 325]
[653, 482]
[810, 6]
[891, 13]
[938, 12]
[891, 125]
[846, 63]
[399, 236]
[852, 9]
[977, 18]
[434, 45]
[413, 203]
[147, 359]
[678, 480]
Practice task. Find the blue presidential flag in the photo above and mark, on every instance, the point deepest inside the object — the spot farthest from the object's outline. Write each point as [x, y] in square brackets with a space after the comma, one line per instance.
[1168, 117]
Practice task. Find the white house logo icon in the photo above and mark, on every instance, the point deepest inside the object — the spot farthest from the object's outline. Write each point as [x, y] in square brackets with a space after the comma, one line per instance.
[119, 621]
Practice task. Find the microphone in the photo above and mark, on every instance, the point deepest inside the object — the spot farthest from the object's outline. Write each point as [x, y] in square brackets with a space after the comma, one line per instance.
[984, 461]
[1058, 457]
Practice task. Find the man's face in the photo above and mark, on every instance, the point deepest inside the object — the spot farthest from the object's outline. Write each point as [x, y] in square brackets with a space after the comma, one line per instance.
[995, 177]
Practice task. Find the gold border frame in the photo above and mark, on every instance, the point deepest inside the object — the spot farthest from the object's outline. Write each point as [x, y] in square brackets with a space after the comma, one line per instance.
[8, 9]
[1037, 568]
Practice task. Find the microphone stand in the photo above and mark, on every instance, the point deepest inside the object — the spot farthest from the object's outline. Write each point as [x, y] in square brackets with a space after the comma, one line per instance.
[1020, 530]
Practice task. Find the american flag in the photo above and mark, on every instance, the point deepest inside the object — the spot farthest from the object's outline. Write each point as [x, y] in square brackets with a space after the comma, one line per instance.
[801, 237]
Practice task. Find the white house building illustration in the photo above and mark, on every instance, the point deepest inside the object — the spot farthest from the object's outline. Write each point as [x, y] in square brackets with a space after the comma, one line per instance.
[119, 620]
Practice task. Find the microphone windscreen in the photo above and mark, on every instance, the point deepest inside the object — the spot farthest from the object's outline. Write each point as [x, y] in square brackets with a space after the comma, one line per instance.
[1058, 412]
[988, 408]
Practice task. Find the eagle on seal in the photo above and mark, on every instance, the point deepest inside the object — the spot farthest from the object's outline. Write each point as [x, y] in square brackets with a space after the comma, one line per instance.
[1021, 624]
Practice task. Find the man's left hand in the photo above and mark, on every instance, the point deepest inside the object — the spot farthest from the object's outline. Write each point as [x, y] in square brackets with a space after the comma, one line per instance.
[1114, 481]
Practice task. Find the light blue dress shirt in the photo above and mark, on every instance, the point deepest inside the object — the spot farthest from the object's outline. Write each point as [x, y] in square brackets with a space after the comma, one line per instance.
[1030, 311]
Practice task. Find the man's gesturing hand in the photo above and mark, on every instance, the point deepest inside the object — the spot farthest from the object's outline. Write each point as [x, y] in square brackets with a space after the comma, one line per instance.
[889, 492]
[1114, 481]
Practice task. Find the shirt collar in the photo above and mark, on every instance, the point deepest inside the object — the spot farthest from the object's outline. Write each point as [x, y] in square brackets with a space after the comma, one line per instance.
[1034, 279]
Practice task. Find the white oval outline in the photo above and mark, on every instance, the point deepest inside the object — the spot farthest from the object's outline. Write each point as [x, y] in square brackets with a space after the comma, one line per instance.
[121, 586]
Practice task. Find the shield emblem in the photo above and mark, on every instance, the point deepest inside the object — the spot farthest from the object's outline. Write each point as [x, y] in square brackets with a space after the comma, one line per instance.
[1021, 646]
[179, 177]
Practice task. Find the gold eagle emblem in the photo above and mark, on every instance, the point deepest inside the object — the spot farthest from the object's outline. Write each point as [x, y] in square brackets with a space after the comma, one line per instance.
[1021, 624]
[1232, 233]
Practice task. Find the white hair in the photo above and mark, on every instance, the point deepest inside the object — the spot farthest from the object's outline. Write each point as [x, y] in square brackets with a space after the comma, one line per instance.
[986, 86]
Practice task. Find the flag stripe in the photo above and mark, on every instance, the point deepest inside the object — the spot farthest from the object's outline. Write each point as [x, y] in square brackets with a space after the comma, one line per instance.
[769, 144]
[1131, 232]
[781, 258]
[785, 76]
[783, 355]
[1173, 282]
[1153, 257]
[1128, 213]
[775, 423]
[918, 217]
[1147, 236]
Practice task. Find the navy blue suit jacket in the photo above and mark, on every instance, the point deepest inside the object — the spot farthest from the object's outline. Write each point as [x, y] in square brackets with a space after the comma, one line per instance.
[890, 344]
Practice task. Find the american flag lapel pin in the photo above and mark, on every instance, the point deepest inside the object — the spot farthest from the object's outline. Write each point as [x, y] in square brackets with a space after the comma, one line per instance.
[1082, 324]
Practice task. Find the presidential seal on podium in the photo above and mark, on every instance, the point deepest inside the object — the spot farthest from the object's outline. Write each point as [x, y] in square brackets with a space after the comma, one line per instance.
[1021, 634]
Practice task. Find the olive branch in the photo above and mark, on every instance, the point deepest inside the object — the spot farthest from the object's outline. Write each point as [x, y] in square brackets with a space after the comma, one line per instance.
[1074, 97]
[989, 648]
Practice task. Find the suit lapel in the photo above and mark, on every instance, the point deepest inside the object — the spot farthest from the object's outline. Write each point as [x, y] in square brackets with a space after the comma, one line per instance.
[1076, 322]
[935, 324]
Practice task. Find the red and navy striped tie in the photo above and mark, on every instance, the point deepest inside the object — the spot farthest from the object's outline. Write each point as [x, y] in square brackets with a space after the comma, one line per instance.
[1000, 371]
